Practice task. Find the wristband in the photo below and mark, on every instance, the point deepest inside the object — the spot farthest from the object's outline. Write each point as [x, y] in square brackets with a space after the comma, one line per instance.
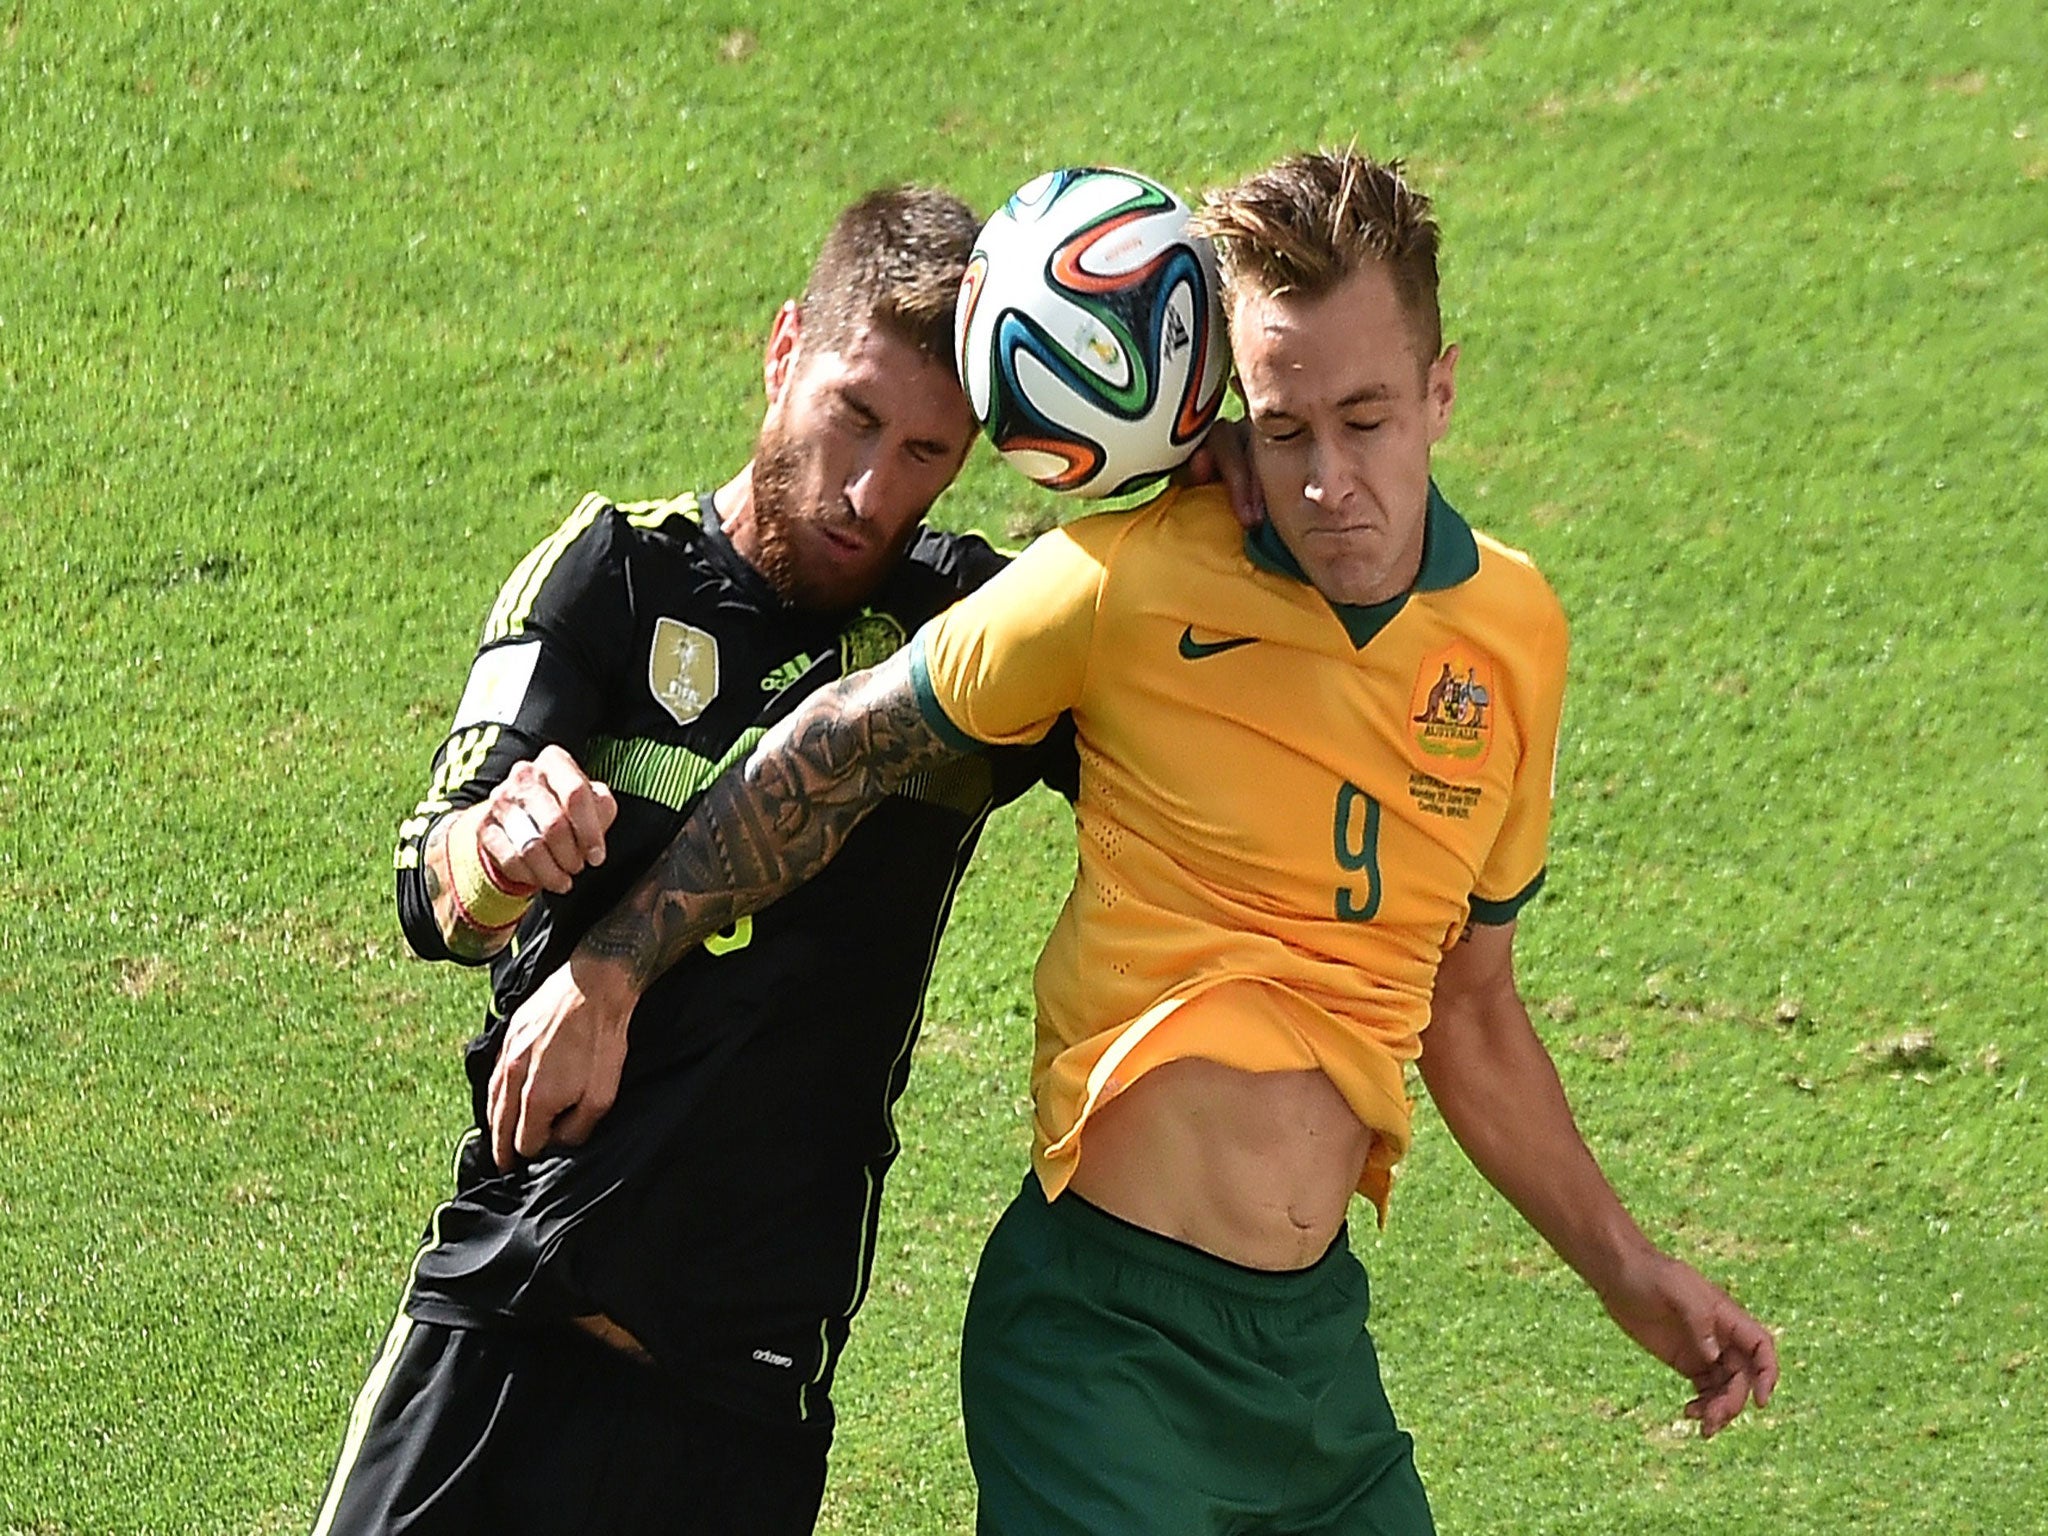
[495, 872]
[488, 900]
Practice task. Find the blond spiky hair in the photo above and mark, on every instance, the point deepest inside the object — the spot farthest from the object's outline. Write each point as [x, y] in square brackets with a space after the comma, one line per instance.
[1304, 224]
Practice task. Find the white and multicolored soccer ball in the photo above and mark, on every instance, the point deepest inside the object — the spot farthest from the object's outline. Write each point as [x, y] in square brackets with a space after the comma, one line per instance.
[1089, 331]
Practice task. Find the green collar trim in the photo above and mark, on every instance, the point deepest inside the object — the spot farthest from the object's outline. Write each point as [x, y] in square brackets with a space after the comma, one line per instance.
[1450, 555]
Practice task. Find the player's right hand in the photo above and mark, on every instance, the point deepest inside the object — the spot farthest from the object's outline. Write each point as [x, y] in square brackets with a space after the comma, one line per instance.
[558, 1068]
[1225, 456]
[546, 822]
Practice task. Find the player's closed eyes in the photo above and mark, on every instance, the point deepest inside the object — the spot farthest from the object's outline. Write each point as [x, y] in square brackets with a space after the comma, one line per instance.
[854, 414]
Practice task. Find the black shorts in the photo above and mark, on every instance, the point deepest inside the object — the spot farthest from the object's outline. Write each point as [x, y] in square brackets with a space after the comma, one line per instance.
[551, 1433]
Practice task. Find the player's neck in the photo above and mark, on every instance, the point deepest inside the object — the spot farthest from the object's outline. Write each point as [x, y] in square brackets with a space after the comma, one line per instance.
[733, 503]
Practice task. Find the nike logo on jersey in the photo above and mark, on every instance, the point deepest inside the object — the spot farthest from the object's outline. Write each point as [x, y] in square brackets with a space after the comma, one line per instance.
[1192, 649]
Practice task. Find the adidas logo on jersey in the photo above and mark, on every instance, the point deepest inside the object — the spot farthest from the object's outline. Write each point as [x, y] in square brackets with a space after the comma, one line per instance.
[785, 676]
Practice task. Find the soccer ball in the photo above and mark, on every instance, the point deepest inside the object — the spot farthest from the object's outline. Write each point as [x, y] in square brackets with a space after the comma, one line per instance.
[1089, 331]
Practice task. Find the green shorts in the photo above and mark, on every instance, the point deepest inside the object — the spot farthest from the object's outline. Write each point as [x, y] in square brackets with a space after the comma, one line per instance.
[1118, 1383]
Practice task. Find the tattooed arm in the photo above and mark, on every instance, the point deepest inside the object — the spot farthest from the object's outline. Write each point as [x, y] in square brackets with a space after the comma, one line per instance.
[760, 831]
[764, 829]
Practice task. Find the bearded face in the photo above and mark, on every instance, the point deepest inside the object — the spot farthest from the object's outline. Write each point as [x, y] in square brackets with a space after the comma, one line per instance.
[778, 476]
[856, 446]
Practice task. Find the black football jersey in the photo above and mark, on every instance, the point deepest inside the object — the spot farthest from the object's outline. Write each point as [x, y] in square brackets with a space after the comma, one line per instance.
[725, 1211]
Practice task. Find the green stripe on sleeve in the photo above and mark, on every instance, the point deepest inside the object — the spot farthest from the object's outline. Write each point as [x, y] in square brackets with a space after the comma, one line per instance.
[515, 600]
[928, 702]
[1494, 914]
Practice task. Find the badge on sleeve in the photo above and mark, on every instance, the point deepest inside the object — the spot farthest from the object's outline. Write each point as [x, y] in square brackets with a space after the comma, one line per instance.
[682, 669]
[497, 686]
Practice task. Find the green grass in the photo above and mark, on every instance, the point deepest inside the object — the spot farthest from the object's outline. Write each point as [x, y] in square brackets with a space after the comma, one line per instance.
[313, 317]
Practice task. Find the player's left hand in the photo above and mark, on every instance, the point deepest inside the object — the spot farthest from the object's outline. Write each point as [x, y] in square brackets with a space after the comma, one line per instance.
[1699, 1330]
[1225, 455]
[559, 1066]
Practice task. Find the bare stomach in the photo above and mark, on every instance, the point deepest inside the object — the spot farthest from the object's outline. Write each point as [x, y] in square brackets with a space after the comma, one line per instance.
[1254, 1167]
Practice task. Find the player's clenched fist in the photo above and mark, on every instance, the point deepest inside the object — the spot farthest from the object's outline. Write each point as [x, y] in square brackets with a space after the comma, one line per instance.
[545, 823]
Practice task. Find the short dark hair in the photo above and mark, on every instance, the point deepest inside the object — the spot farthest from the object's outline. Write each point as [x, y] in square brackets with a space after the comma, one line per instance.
[1307, 222]
[893, 259]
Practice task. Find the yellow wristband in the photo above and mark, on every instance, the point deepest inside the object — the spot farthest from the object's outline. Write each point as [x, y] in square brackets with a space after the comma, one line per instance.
[484, 903]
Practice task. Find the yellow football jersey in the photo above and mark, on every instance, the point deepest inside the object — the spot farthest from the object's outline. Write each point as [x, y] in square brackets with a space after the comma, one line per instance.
[1289, 808]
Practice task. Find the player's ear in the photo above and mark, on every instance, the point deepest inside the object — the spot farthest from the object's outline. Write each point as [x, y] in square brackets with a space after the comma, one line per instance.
[780, 359]
[1441, 388]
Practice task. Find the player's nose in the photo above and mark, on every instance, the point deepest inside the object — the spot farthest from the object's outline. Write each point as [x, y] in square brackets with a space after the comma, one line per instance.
[1330, 481]
[863, 489]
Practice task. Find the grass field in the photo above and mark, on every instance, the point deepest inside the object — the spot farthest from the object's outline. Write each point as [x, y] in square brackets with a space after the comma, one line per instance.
[313, 317]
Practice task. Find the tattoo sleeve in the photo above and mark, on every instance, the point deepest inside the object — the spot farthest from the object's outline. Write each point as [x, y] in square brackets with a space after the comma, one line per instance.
[775, 820]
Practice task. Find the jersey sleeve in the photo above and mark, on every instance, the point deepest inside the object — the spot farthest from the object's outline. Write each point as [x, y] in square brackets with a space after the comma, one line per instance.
[538, 678]
[1001, 665]
[969, 561]
[1515, 867]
